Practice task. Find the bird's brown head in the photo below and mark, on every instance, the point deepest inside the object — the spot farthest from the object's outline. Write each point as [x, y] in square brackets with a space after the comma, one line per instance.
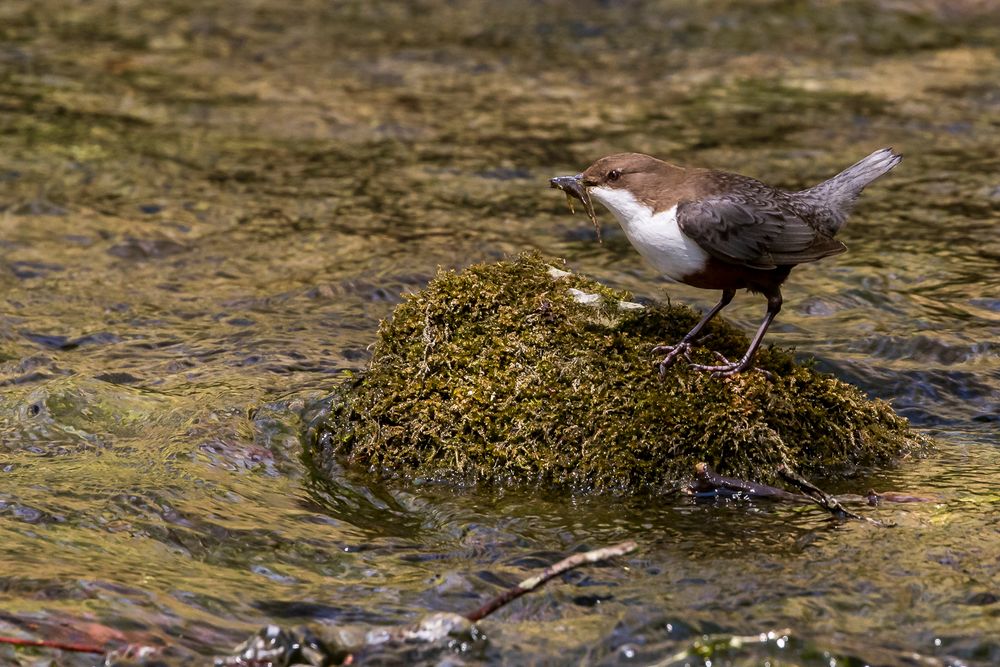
[622, 170]
[635, 176]
[632, 171]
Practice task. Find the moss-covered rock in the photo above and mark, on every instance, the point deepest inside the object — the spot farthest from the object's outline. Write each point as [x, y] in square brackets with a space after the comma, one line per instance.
[510, 372]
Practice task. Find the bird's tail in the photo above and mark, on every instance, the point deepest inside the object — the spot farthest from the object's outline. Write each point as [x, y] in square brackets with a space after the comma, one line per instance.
[839, 193]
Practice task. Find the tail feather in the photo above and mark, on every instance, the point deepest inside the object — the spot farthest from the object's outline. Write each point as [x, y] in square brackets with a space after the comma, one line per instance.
[836, 196]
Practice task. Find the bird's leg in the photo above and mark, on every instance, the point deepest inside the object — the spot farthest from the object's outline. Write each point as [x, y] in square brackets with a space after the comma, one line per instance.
[674, 351]
[725, 370]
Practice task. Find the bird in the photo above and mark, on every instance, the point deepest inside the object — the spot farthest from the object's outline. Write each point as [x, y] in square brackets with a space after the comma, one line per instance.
[719, 230]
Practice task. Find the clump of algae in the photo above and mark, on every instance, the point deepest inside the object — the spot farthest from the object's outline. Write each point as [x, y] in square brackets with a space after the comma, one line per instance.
[501, 374]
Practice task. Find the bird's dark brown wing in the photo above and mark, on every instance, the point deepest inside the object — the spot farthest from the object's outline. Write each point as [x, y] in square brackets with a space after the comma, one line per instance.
[762, 232]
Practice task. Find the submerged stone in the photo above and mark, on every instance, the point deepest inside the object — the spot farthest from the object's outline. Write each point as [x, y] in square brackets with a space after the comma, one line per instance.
[520, 372]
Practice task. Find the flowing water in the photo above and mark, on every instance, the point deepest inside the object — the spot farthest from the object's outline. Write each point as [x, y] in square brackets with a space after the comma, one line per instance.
[207, 207]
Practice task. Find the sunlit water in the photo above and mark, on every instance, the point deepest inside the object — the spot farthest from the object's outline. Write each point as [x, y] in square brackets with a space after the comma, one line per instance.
[207, 210]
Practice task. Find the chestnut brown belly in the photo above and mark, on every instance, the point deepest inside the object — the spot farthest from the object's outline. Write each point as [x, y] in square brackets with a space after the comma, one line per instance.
[717, 274]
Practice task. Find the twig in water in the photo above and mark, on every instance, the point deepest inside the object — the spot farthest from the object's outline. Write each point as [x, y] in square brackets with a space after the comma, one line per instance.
[707, 481]
[822, 498]
[273, 644]
[707, 645]
[565, 565]
[47, 643]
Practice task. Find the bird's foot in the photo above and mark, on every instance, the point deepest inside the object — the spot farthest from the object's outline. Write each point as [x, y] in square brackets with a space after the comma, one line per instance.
[724, 369]
[673, 352]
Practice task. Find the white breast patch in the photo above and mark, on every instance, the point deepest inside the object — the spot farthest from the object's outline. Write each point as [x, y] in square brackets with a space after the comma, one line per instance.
[658, 238]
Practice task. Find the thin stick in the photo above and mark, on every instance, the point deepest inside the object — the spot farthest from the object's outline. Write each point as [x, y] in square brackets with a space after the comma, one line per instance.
[709, 481]
[565, 565]
[76, 648]
[730, 641]
[822, 498]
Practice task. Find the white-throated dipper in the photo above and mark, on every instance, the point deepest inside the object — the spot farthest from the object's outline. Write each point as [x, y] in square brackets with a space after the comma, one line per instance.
[718, 230]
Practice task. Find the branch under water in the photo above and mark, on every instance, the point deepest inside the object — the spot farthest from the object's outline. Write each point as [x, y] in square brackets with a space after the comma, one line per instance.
[48, 643]
[821, 497]
[708, 482]
[565, 565]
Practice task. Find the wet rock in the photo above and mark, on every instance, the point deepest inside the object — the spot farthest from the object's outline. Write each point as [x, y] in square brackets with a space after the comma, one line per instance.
[517, 373]
[274, 645]
[60, 414]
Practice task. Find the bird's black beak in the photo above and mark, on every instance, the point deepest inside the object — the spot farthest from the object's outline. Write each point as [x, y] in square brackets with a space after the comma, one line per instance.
[575, 188]
[571, 185]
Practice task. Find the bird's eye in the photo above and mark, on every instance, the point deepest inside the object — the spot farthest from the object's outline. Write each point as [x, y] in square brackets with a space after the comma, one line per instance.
[614, 175]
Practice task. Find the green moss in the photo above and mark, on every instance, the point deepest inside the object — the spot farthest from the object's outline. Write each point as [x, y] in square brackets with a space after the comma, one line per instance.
[498, 374]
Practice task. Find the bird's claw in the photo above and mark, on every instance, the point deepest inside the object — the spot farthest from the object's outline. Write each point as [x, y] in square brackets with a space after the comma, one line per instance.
[673, 351]
[722, 358]
[717, 371]
[725, 369]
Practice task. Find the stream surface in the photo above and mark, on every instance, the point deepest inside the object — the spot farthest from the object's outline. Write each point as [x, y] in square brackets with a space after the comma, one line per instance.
[207, 207]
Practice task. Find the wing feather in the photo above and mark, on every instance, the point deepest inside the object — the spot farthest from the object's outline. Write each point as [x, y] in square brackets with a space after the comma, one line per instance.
[755, 231]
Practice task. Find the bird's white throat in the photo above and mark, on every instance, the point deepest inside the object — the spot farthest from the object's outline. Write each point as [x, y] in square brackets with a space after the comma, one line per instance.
[657, 237]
